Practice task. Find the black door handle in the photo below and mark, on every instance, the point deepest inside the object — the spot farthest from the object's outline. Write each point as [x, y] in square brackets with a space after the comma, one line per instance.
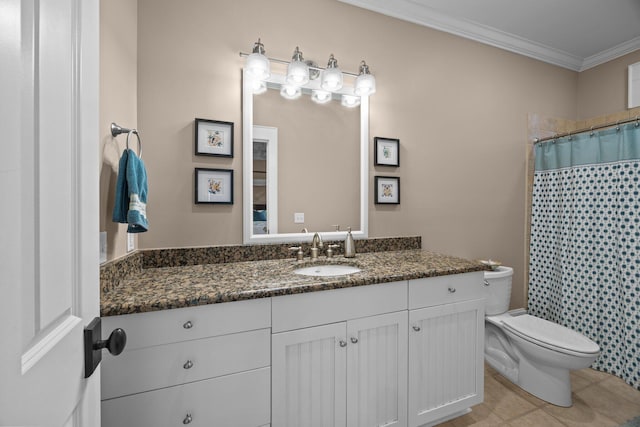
[93, 345]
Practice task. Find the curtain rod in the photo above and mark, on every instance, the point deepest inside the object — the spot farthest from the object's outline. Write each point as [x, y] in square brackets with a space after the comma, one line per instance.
[592, 128]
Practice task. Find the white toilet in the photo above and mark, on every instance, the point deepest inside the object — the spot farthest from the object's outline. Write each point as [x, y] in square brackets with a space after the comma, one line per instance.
[533, 353]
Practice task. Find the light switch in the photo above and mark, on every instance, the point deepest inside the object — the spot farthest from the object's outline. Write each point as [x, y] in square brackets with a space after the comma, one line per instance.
[298, 218]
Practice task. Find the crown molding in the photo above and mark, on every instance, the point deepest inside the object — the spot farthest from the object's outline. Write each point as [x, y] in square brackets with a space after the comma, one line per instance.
[408, 10]
[611, 54]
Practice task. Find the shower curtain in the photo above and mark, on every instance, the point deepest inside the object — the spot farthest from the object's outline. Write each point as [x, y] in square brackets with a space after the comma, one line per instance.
[584, 264]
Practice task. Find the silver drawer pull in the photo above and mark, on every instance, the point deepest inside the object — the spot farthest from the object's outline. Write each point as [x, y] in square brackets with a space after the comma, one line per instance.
[188, 325]
[486, 283]
[343, 343]
[354, 340]
[416, 328]
[452, 290]
[188, 364]
[187, 419]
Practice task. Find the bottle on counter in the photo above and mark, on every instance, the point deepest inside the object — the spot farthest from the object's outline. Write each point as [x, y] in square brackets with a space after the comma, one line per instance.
[349, 246]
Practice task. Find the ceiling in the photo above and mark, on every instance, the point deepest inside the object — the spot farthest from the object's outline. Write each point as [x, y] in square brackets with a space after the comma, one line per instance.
[574, 34]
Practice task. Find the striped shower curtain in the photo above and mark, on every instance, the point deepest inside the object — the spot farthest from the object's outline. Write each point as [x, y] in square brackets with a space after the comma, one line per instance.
[584, 264]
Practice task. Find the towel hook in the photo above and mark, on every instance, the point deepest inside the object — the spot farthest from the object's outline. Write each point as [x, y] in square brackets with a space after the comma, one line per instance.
[133, 131]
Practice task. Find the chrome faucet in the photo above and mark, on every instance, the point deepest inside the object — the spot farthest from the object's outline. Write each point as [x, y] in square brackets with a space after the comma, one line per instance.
[316, 244]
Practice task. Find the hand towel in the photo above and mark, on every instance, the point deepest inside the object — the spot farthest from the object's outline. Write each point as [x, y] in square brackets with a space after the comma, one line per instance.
[131, 193]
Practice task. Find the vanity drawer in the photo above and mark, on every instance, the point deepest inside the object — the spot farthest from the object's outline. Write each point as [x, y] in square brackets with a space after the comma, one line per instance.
[431, 291]
[239, 400]
[168, 326]
[151, 368]
[324, 307]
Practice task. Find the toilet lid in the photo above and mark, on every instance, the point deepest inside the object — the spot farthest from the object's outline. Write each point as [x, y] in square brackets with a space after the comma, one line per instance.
[549, 334]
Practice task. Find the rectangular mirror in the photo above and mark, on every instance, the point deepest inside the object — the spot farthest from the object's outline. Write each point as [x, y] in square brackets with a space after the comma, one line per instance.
[300, 157]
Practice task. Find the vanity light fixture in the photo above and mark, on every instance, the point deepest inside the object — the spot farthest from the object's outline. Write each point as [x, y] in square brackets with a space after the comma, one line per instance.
[332, 76]
[305, 75]
[320, 96]
[257, 64]
[290, 91]
[297, 70]
[350, 101]
[365, 82]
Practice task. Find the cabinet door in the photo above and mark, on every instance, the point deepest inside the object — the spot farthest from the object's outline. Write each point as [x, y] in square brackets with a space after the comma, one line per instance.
[377, 371]
[446, 345]
[309, 377]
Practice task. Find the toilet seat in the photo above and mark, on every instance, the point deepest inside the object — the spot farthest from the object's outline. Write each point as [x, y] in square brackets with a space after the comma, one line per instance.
[550, 335]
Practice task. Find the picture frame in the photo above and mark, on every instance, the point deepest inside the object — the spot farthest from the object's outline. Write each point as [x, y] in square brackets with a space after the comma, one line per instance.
[214, 138]
[387, 190]
[213, 186]
[386, 151]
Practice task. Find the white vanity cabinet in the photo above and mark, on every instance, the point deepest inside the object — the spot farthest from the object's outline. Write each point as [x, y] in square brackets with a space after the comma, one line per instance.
[202, 366]
[446, 347]
[340, 357]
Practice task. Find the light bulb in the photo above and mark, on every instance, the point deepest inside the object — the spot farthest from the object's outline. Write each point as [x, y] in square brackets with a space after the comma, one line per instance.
[350, 101]
[365, 82]
[290, 91]
[332, 76]
[320, 96]
[297, 70]
[258, 86]
[257, 64]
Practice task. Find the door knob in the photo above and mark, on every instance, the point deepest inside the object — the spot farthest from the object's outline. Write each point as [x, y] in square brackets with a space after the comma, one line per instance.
[93, 345]
[115, 343]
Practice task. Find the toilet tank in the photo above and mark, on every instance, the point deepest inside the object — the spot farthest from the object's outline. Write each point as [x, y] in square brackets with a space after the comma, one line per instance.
[498, 291]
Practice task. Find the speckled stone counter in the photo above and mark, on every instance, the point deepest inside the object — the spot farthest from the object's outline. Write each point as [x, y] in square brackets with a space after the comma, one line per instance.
[164, 288]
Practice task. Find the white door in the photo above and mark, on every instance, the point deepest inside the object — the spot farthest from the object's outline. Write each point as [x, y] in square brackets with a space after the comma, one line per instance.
[377, 371]
[49, 285]
[308, 377]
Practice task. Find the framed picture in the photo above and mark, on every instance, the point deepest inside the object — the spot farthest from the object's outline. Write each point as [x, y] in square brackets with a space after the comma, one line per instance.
[214, 138]
[387, 189]
[214, 186]
[386, 151]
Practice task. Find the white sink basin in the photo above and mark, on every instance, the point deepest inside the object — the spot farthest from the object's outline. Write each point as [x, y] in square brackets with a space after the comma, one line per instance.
[327, 270]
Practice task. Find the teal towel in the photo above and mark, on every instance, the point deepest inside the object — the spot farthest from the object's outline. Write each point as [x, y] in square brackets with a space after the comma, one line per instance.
[131, 193]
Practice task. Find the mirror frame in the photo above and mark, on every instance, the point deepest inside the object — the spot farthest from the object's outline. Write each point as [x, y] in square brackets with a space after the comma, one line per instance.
[247, 177]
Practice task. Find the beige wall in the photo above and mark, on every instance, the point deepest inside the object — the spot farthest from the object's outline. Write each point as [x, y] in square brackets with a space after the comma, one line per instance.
[602, 90]
[458, 107]
[118, 103]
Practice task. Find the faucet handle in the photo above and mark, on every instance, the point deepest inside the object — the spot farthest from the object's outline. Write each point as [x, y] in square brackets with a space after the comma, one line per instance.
[330, 249]
[299, 253]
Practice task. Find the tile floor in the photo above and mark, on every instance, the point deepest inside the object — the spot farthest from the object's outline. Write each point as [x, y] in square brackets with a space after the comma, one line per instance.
[599, 399]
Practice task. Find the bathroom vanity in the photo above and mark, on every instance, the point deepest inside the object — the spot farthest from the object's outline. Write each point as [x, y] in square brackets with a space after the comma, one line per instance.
[399, 343]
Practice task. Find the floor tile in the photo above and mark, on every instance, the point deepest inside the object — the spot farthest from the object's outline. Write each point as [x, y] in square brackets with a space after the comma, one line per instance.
[608, 403]
[520, 392]
[503, 402]
[537, 418]
[579, 415]
[619, 387]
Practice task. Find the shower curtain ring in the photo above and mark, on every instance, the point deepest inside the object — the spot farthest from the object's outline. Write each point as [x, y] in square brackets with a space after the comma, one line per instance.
[637, 123]
[617, 125]
[591, 134]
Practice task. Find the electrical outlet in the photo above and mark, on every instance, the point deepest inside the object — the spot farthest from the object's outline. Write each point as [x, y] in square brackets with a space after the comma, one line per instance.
[131, 242]
[298, 218]
[103, 247]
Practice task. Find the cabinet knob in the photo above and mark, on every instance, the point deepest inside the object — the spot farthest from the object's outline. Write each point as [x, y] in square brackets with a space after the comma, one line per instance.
[486, 283]
[343, 343]
[187, 419]
[452, 290]
[188, 325]
[416, 328]
[188, 364]
[354, 340]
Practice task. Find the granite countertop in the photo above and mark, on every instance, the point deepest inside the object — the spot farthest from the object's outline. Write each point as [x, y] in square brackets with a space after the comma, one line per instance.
[165, 288]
